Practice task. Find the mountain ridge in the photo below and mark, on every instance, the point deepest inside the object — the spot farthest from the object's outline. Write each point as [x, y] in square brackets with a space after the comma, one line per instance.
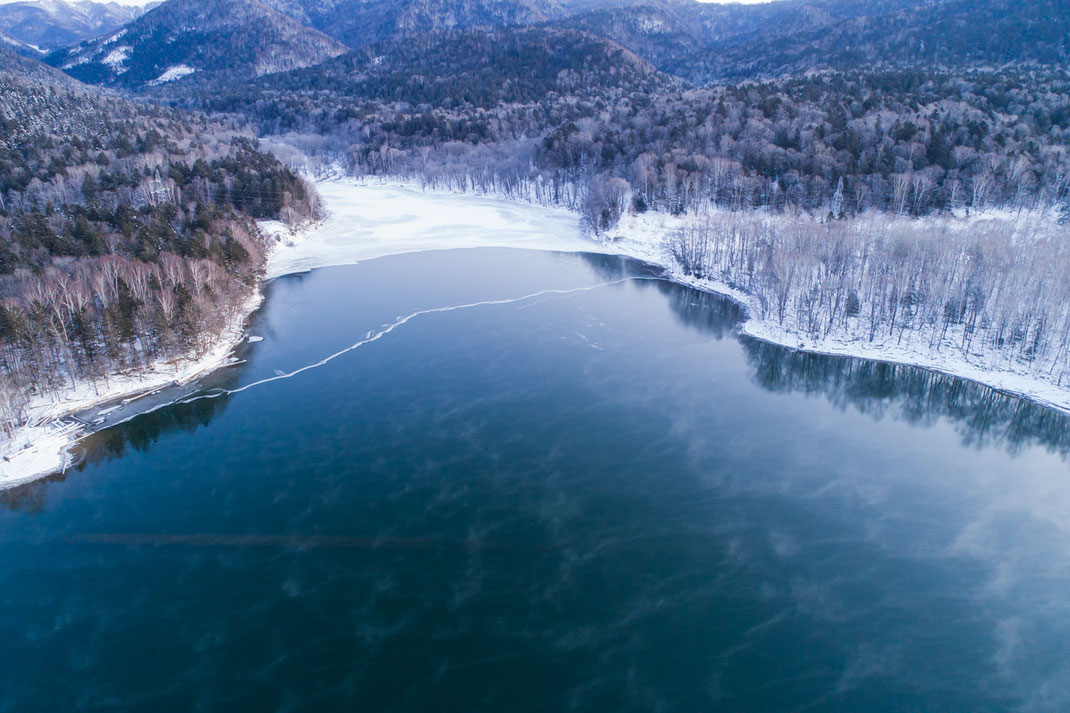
[45, 25]
[235, 39]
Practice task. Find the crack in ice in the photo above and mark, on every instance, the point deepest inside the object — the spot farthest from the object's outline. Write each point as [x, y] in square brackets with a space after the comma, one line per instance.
[374, 336]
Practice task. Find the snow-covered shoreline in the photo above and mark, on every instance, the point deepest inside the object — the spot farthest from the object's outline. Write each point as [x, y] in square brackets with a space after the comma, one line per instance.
[378, 218]
[42, 447]
[642, 238]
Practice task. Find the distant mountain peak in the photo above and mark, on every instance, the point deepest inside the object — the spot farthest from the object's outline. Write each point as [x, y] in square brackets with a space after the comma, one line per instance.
[181, 38]
[44, 25]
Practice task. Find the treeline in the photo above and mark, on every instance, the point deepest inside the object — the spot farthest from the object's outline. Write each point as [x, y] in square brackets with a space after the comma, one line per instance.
[99, 318]
[127, 235]
[907, 141]
[994, 297]
[903, 142]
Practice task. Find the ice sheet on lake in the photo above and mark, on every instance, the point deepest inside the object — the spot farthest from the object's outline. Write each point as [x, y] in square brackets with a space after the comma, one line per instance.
[370, 220]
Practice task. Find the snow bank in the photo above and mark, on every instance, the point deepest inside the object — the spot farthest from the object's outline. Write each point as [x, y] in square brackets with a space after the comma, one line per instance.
[173, 73]
[34, 452]
[41, 448]
[113, 38]
[117, 58]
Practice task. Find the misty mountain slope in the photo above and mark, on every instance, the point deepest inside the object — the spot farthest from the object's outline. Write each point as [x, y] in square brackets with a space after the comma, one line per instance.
[672, 33]
[17, 45]
[235, 39]
[54, 24]
[663, 33]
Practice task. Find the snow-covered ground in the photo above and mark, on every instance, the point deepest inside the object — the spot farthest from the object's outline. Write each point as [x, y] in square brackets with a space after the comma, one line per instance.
[41, 448]
[173, 73]
[116, 59]
[374, 219]
[643, 237]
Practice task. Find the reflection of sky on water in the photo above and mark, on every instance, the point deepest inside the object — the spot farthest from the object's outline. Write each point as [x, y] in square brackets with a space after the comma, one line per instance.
[599, 500]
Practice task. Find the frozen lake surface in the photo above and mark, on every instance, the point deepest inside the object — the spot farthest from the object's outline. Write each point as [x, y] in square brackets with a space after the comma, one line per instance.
[544, 481]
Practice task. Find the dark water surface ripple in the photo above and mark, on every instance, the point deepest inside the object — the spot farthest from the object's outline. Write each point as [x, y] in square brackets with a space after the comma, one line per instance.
[600, 501]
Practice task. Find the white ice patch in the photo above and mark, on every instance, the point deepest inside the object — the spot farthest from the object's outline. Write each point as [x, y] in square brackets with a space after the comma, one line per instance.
[116, 58]
[370, 220]
[173, 73]
[650, 24]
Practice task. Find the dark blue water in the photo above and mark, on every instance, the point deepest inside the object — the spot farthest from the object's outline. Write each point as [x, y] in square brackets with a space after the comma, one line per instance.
[600, 500]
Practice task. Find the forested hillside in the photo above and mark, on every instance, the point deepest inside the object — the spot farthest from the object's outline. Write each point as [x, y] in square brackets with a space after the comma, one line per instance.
[126, 233]
[992, 297]
[833, 110]
[472, 70]
[710, 44]
[573, 108]
[202, 39]
[947, 34]
[44, 25]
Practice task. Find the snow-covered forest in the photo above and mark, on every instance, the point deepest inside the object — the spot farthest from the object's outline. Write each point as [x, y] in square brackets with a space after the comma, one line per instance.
[581, 110]
[836, 197]
[127, 236]
[922, 208]
[990, 292]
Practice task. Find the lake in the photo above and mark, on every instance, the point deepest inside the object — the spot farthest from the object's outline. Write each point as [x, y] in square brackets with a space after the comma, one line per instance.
[545, 481]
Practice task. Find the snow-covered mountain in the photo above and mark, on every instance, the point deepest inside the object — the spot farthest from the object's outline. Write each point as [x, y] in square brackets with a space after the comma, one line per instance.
[222, 38]
[52, 24]
[715, 42]
[14, 64]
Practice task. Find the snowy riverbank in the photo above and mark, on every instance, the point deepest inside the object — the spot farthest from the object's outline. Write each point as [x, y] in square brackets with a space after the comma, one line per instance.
[374, 219]
[42, 447]
[366, 221]
[431, 220]
[644, 237]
